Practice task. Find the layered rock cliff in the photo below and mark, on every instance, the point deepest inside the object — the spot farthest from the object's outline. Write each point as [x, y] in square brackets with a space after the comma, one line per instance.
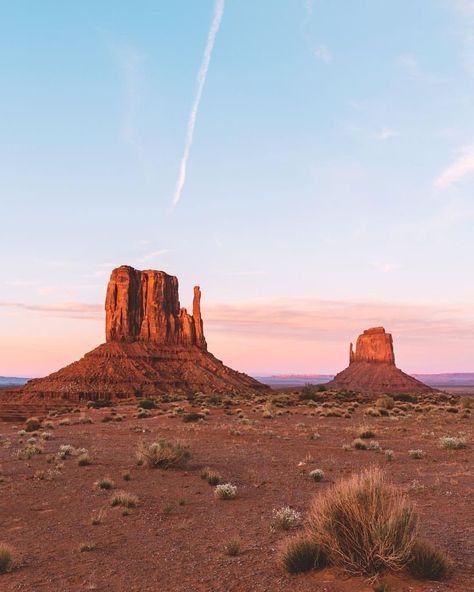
[153, 346]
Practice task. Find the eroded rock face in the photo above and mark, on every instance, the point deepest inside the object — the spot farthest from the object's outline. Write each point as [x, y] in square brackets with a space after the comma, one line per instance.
[153, 347]
[374, 345]
[144, 306]
[372, 367]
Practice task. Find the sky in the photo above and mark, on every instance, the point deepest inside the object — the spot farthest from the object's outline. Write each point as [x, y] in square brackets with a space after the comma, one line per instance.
[329, 182]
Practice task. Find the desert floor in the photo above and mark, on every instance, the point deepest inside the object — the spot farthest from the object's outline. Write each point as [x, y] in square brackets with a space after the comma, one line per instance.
[174, 539]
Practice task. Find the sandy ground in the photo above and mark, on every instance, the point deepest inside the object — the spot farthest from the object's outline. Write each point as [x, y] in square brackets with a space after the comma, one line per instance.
[173, 540]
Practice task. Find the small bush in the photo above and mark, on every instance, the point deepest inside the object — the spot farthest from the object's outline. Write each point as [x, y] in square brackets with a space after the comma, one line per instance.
[84, 460]
[126, 476]
[385, 402]
[317, 475]
[417, 454]
[466, 402]
[363, 524]
[301, 554]
[389, 455]
[104, 483]
[147, 404]
[366, 433]
[359, 444]
[190, 417]
[427, 562]
[285, 518]
[225, 491]
[163, 454]
[453, 443]
[232, 547]
[32, 424]
[124, 499]
[6, 558]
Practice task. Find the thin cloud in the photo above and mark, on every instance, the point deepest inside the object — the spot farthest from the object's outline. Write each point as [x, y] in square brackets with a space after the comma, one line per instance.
[321, 52]
[71, 310]
[386, 133]
[201, 80]
[460, 168]
[153, 255]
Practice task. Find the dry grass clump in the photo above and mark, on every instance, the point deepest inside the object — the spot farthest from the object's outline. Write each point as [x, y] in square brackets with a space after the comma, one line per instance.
[6, 558]
[453, 443]
[366, 433]
[316, 475]
[417, 454]
[285, 518]
[105, 483]
[385, 402]
[225, 491]
[359, 444]
[211, 476]
[232, 547]
[302, 553]
[124, 499]
[84, 460]
[162, 454]
[427, 562]
[363, 524]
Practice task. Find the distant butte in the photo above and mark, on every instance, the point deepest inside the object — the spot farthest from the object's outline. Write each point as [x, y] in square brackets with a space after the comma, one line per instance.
[372, 367]
[153, 347]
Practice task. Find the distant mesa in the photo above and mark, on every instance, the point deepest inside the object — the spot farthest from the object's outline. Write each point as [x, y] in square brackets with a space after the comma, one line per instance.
[153, 346]
[372, 367]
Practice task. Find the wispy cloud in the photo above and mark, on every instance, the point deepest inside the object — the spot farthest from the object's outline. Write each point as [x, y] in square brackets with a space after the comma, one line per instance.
[462, 166]
[72, 310]
[153, 255]
[201, 80]
[320, 51]
[386, 133]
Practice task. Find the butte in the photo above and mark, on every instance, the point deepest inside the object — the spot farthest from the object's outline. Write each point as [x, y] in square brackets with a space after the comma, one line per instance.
[153, 347]
[372, 367]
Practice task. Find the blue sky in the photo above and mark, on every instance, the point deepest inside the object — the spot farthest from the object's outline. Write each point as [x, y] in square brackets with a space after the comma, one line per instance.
[329, 184]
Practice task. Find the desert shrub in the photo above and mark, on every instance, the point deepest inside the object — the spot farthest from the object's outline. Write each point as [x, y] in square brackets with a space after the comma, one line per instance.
[466, 402]
[225, 491]
[452, 409]
[46, 436]
[98, 517]
[317, 475]
[389, 455]
[428, 562]
[32, 424]
[99, 404]
[285, 518]
[6, 558]
[211, 476]
[416, 454]
[105, 483]
[385, 402]
[310, 392]
[300, 554]
[126, 476]
[86, 547]
[404, 398]
[359, 444]
[147, 404]
[232, 547]
[84, 459]
[162, 454]
[66, 450]
[189, 417]
[453, 443]
[363, 524]
[29, 451]
[374, 445]
[366, 433]
[124, 499]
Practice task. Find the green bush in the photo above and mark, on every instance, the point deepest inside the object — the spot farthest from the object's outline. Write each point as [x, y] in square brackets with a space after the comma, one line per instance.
[428, 562]
[301, 554]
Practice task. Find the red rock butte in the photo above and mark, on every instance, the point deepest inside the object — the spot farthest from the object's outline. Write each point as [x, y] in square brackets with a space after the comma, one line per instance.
[372, 367]
[153, 347]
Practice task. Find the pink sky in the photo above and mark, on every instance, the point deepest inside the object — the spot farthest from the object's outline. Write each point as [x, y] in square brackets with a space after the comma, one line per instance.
[257, 336]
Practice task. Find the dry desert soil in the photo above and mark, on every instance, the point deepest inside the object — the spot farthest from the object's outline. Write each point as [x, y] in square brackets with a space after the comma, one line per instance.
[174, 539]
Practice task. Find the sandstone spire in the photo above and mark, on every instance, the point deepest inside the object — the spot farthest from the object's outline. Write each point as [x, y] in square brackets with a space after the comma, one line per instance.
[144, 306]
[374, 345]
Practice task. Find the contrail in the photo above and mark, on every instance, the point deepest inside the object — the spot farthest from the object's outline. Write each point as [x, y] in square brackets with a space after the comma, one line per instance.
[201, 80]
